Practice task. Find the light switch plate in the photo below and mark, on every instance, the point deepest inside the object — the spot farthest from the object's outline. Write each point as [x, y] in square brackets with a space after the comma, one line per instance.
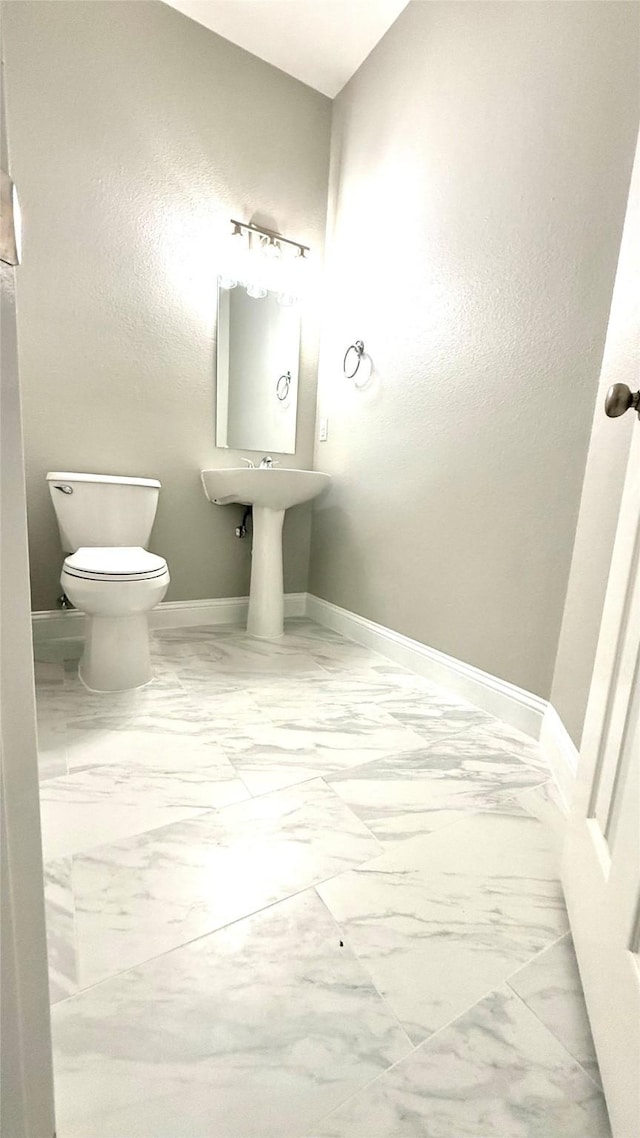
[323, 430]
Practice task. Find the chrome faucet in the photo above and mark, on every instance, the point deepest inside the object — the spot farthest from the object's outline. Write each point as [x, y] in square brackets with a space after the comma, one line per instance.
[267, 462]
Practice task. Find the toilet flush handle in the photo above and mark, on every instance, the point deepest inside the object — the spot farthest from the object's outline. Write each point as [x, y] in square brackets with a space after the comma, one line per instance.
[65, 489]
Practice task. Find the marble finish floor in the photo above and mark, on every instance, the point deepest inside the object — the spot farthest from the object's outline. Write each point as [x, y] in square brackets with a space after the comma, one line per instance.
[296, 891]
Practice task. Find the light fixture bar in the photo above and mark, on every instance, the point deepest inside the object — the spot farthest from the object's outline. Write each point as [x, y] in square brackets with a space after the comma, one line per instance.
[251, 228]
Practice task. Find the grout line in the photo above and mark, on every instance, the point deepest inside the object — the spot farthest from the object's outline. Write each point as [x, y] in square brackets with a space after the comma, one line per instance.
[197, 811]
[423, 1045]
[209, 932]
[361, 821]
[552, 1033]
[426, 1042]
[345, 937]
[537, 955]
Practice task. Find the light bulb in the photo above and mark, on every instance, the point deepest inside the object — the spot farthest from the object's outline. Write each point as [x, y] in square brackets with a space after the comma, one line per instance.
[256, 290]
[271, 248]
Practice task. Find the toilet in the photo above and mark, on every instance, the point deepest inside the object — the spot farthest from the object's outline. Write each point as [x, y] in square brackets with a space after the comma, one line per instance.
[105, 522]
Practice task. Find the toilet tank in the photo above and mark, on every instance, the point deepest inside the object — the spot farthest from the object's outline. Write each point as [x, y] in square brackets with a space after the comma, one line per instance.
[102, 509]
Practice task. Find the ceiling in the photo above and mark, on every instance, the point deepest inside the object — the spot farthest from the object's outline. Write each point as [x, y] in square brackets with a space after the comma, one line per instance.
[321, 42]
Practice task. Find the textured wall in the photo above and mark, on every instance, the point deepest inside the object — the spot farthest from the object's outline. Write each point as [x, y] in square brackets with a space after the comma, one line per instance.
[480, 166]
[135, 134]
[603, 483]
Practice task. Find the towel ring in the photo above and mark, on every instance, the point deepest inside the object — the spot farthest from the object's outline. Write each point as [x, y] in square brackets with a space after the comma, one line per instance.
[283, 385]
[358, 348]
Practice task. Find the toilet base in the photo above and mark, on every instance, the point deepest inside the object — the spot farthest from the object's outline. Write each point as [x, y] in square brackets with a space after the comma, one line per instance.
[116, 653]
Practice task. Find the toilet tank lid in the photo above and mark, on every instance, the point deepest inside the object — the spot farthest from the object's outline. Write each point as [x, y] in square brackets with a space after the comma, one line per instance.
[70, 476]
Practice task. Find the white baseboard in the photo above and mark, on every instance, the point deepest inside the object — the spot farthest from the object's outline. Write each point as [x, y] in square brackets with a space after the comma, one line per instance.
[54, 623]
[561, 752]
[170, 614]
[514, 705]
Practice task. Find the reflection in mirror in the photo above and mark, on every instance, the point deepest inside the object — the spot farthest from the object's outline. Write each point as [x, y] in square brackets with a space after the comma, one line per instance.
[257, 369]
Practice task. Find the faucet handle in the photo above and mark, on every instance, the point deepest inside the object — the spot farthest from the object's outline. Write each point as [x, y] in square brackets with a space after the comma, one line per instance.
[267, 462]
[249, 463]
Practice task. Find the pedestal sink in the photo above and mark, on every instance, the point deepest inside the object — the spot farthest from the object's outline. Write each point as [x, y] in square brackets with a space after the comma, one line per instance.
[270, 491]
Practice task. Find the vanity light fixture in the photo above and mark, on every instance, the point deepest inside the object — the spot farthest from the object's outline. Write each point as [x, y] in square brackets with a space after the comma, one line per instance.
[264, 261]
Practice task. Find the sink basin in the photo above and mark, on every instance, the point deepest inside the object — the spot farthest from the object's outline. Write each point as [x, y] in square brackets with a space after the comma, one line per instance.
[272, 487]
[270, 491]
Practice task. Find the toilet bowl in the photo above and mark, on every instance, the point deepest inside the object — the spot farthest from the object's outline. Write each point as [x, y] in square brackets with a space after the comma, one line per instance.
[105, 521]
[116, 587]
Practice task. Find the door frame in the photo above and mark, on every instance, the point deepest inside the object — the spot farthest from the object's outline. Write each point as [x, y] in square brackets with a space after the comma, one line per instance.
[601, 872]
[26, 1075]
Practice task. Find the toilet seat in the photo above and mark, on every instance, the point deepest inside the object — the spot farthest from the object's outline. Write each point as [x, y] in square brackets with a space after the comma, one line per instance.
[114, 563]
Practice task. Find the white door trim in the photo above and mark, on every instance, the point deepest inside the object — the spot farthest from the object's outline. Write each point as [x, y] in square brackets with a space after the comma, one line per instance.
[26, 1076]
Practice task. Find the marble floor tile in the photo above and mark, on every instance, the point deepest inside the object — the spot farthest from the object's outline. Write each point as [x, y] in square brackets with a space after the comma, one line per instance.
[179, 758]
[51, 727]
[60, 920]
[434, 715]
[271, 758]
[190, 635]
[295, 750]
[156, 780]
[168, 709]
[221, 712]
[440, 920]
[399, 796]
[550, 986]
[252, 967]
[75, 822]
[255, 1031]
[496, 1072]
[502, 737]
[479, 749]
[338, 656]
[78, 709]
[545, 802]
[147, 894]
[310, 632]
[243, 656]
[286, 697]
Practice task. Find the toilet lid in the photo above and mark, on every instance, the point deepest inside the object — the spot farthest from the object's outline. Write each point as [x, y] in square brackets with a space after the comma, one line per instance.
[115, 563]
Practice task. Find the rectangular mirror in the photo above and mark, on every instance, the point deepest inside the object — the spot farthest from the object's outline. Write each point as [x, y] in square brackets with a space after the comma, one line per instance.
[257, 372]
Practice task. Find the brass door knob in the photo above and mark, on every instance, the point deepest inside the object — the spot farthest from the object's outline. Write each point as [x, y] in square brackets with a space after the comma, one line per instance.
[620, 399]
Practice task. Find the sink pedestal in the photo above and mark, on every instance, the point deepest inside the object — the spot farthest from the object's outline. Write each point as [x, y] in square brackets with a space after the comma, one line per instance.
[266, 594]
[270, 492]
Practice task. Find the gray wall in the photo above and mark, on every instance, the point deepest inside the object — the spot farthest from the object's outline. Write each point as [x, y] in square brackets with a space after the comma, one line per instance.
[602, 488]
[136, 133]
[480, 165]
